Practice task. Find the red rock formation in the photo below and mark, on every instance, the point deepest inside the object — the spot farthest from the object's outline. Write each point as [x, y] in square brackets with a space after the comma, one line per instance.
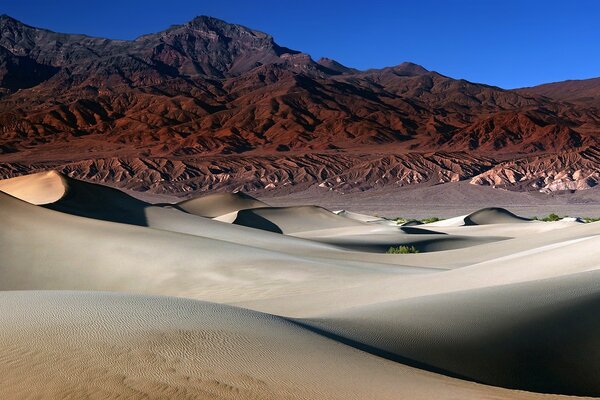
[210, 105]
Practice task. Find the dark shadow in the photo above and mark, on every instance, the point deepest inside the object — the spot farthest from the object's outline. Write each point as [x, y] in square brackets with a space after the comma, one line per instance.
[419, 231]
[100, 202]
[378, 352]
[252, 220]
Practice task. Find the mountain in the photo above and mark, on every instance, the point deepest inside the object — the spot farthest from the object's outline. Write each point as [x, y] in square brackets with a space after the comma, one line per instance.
[210, 105]
[585, 91]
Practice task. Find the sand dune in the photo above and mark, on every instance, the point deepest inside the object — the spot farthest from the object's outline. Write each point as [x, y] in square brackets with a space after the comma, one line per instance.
[40, 188]
[493, 215]
[101, 345]
[363, 217]
[539, 336]
[485, 216]
[506, 262]
[62, 251]
[57, 191]
[376, 241]
[290, 220]
[491, 298]
[321, 225]
[217, 204]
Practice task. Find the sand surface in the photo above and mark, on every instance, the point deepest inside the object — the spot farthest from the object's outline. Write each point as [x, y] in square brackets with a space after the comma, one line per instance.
[226, 297]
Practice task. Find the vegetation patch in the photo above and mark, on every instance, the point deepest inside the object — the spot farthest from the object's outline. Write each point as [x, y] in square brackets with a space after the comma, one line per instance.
[402, 250]
[554, 217]
[430, 220]
[402, 220]
[548, 218]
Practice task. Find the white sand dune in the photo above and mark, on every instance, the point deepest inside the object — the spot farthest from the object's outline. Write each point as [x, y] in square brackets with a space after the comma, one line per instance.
[380, 241]
[291, 220]
[318, 224]
[491, 298]
[61, 251]
[505, 264]
[217, 204]
[539, 335]
[364, 217]
[493, 215]
[485, 216]
[40, 188]
[57, 191]
[102, 345]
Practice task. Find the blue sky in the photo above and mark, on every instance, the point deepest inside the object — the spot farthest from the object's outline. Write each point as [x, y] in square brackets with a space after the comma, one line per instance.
[508, 43]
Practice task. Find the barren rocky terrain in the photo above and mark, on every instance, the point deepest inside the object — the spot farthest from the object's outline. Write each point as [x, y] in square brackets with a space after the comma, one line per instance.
[209, 105]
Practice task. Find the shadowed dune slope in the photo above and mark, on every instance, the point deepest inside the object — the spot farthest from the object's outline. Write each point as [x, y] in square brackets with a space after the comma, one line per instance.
[290, 220]
[540, 336]
[40, 188]
[100, 202]
[61, 251]
[103, 345]
[58, 192]
[316, 224]
[171, 219]
[362, 217]
[412, 223]
[423, 240]
[214, 205]
[493, 215]
[321, 225]
[485, 216]
[543, 256]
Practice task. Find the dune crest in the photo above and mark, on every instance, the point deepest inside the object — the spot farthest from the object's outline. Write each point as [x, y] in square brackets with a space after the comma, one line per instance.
[39, 188]
[484, 216]
[218, 204]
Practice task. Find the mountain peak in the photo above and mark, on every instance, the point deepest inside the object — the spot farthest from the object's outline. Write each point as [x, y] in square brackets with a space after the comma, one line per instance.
[208, 46]
[335, 66]
[410, 69]
[205, 22]
[6, 19]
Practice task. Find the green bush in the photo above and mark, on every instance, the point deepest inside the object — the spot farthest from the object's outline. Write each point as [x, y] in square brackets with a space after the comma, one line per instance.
[551, 218]
[402, 220]
[430, 220]
[402, 250]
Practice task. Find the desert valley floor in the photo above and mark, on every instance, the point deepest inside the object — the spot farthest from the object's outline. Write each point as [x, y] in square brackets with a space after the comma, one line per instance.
[224, 296]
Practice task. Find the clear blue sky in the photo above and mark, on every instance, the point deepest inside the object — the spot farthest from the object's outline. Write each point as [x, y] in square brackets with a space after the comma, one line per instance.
[509, 43]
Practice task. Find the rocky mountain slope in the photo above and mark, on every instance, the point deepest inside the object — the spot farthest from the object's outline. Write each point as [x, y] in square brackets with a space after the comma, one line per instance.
[210, 105]
[585, 91]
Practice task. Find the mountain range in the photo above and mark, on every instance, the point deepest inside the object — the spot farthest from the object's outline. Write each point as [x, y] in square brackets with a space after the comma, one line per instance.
[209, 105]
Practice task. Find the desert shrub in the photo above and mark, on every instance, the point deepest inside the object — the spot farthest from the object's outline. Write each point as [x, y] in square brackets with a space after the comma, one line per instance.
[402, 220]
[430, 220]
[402, 250]
[551, 218]
[587, 220]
